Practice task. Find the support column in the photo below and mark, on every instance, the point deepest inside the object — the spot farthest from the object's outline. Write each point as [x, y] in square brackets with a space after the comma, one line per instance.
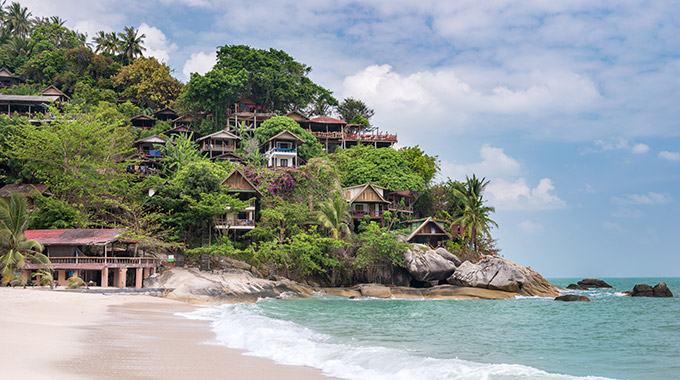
[122, 276]
[152, 270]
[105, 278]
[138, 278]
[147, 273]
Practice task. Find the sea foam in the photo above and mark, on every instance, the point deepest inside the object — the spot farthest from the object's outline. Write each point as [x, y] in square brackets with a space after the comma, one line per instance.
[243, 326]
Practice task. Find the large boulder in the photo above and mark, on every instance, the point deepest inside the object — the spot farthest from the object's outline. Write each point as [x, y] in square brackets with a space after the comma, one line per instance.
[443, 252]
[572, 298]
[501, 274]
[375, 291]
[425, 264]
[589, 283]
[644, 290]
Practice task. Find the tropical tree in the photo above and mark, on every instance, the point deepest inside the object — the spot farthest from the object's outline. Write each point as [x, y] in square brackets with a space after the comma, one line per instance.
[107, 43]
[334, 216]
[17, 20]
[355, 111]
[177, 152]
[131, 43]
[475, 216]
[15, 249]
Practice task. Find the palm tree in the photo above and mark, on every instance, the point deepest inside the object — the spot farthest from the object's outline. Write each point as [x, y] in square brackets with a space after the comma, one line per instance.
[131, 43]
[475, 216]
[15, 249]
[334, 216]
[17, 20]
[107, 43]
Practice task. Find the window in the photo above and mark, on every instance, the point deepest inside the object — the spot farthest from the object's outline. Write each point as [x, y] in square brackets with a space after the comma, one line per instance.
[359, 207]
[284, 162]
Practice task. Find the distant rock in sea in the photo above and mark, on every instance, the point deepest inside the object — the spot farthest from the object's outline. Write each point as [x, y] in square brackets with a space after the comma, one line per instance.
[589, 283]
[576, 287]
[572, 298]
[644, 290]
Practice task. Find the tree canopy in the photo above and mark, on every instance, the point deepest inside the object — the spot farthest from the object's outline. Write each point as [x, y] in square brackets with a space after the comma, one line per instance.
[271, 127]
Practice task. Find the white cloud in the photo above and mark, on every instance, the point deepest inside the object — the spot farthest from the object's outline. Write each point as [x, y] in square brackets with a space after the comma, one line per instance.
[620, 143]
[517, 195]
[640, 148]
[670, 156]
[650, 198]
[156, 43]
[199, 63]
[530, 227]
[495, 163]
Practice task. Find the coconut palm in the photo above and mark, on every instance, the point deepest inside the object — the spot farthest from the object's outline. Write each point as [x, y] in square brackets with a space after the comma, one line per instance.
[15, 249]
[475, 216]
[131, 43]
[17, 20]
[107, 43]
[334, 216]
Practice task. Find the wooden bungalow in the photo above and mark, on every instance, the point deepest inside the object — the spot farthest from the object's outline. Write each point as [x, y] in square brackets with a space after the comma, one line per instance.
[166, 114]
[25, 105]
[54, 92]
[243, 189]
[366, 199]
[30, 191]
[280, 151]
[231, 157]
[333, 133]
[428, 231]
[182, 130]
[185, 121]
[146, 146]
[401, 201]
[142, 121]
[102, 256]
[247, 114]
[7, 79]
[218, 143]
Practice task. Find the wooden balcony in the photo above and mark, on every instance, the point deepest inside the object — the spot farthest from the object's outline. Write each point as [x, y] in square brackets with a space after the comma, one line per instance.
[88, 262]
[372, 214]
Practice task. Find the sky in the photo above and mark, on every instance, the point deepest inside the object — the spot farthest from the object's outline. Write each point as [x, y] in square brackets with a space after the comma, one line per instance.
[570, 108]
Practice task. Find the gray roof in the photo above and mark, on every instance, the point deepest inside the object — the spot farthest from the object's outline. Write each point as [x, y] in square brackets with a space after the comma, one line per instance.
[28, 98]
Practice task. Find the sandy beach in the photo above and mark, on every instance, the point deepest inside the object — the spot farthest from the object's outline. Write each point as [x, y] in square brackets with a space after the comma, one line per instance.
[65, 335]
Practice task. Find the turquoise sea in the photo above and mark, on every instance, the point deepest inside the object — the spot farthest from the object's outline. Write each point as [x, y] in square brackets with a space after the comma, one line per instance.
[525, 338]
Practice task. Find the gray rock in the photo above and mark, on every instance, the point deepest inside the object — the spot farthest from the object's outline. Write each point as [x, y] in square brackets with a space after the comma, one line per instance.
[572, 298]
[443, 252]
[501, 274]
[490, 273]
[575, 287]
[589, 283]
[375, 291]
[424, 264]
[644, 290]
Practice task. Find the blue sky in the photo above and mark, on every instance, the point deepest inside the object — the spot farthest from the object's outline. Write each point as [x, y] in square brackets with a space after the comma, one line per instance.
[570, 108]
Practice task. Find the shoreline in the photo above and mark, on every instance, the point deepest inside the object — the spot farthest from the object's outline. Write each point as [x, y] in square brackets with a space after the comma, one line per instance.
[67, 335]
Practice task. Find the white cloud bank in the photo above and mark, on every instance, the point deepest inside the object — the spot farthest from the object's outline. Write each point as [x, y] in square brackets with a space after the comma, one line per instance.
[199, 63]
[495, 163]
[156, 43]
[619, 143]
[669, 156]
[650, 198]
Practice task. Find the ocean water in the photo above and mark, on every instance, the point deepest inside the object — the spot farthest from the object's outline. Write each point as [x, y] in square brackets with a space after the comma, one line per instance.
[613, 337]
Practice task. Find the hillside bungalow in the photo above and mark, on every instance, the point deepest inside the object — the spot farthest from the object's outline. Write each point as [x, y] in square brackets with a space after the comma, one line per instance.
[428, 231]
[166, 114]
[333, 133]
[401, 201]
[280, 151]
[146, 158]
[182, 130]
[244, 190]
[366, 199]
[55, 93]
[218, 143]
[248, 113]
[142, 121]
[98, 255]
[185, 121]
[7, 79]
[30, 191]
[231, 157]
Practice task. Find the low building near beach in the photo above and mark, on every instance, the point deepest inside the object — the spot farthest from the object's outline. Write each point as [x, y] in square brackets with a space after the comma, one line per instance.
[430, 231]
[240, 220]
[103, 256]
[366, 200]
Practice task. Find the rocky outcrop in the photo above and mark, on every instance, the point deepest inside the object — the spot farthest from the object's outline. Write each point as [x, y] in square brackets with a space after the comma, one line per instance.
[572, 298]
[590, 283]
[644, 290]
[576, 287]
[193, 285]
[425, 264]
[375, 291]
[499, 274]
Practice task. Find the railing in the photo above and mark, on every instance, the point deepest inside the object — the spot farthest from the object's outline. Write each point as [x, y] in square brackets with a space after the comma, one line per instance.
[235, 222]
[372, 214]
[103, 260]
[371, 137]
[279, 150]
[219, 148]
[327, 135]
[393, 207]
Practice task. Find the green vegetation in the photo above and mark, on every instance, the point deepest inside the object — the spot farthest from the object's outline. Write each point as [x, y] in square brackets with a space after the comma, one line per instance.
[84, 152]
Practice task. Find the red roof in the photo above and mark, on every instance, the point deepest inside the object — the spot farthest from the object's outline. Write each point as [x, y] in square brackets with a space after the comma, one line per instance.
[74, 236]
[326, 120]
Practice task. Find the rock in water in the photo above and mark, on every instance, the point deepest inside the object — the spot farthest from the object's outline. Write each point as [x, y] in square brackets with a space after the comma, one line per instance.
[424, 264]
[500, 274]
[572, 298]
[575, 287]
[661, 290]
[644, 290]
[375, 291]
[588, 283]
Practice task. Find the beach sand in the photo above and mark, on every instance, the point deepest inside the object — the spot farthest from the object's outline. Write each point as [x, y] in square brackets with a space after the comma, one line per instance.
[59, 334]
